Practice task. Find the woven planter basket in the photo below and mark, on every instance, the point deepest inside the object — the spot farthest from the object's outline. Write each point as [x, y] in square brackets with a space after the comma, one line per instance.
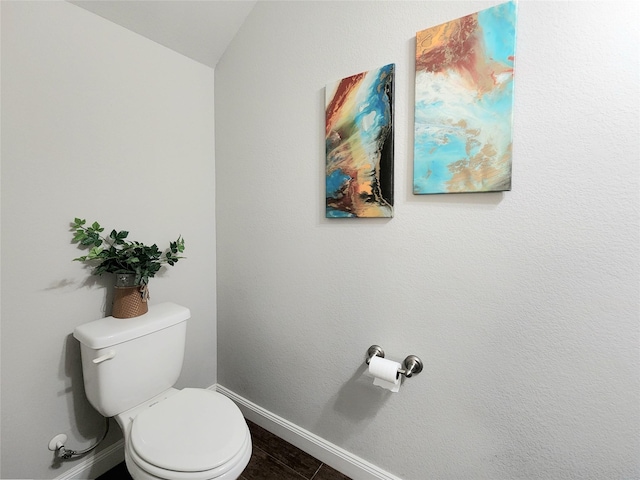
[129, 302]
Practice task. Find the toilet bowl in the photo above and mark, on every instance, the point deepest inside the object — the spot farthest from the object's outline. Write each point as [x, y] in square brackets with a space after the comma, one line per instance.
[129, 369]
[190, 434]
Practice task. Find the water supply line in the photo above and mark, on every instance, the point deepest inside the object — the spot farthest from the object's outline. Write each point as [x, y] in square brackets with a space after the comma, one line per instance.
[67, 453]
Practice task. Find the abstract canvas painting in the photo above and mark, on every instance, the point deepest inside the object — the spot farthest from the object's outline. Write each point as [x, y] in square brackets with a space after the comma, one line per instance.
[464, 103]
[359, 145]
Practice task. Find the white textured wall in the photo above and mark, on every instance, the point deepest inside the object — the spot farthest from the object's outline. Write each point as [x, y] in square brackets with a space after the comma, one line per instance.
[524, 305]
[100, 123]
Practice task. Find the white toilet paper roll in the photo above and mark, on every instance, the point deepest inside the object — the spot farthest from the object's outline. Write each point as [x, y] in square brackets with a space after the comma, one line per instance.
[385, 373]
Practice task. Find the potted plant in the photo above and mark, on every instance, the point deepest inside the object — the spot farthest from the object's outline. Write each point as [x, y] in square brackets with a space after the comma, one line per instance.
[132, 262]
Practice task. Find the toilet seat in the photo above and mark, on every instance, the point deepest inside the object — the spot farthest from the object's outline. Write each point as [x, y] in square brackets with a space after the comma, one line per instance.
[195, 434]
[145, 471]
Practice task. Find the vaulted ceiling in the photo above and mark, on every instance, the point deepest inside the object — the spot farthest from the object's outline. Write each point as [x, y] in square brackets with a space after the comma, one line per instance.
[198, 29]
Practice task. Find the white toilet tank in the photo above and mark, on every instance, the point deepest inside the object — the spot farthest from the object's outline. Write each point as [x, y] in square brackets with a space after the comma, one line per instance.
[126, 361]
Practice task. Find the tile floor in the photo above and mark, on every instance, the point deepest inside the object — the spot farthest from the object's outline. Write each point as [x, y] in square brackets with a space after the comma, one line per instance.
[272, 459]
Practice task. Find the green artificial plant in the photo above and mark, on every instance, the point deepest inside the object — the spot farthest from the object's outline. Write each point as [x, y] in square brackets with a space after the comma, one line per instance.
[116, 254]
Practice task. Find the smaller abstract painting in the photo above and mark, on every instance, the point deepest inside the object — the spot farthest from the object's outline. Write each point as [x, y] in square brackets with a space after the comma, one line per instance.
[359, 143]
[464, 103]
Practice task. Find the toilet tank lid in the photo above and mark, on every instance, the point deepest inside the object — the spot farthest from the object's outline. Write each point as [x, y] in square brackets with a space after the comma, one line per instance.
[110, 331]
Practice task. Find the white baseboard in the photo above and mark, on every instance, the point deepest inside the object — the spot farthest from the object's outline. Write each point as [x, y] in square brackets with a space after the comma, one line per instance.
[94, 466]
[334, 456]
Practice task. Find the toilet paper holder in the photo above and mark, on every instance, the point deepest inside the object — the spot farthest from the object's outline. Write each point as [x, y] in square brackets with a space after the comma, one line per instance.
[412, 364]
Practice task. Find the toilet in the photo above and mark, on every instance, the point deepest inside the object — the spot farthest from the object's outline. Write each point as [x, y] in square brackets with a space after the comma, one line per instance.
[129, 367]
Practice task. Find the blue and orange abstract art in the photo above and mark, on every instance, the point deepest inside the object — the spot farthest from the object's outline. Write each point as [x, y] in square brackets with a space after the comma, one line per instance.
[464, 103]
[359, 143]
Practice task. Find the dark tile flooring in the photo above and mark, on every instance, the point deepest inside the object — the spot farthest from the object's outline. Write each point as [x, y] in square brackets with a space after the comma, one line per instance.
[272, 459]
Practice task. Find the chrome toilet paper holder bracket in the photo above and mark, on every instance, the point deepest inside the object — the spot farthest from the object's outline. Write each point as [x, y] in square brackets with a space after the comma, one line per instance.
[412, 364]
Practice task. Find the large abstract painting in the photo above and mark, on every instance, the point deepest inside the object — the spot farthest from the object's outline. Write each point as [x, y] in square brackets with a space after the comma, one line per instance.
[359, 145]
[464, 103]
